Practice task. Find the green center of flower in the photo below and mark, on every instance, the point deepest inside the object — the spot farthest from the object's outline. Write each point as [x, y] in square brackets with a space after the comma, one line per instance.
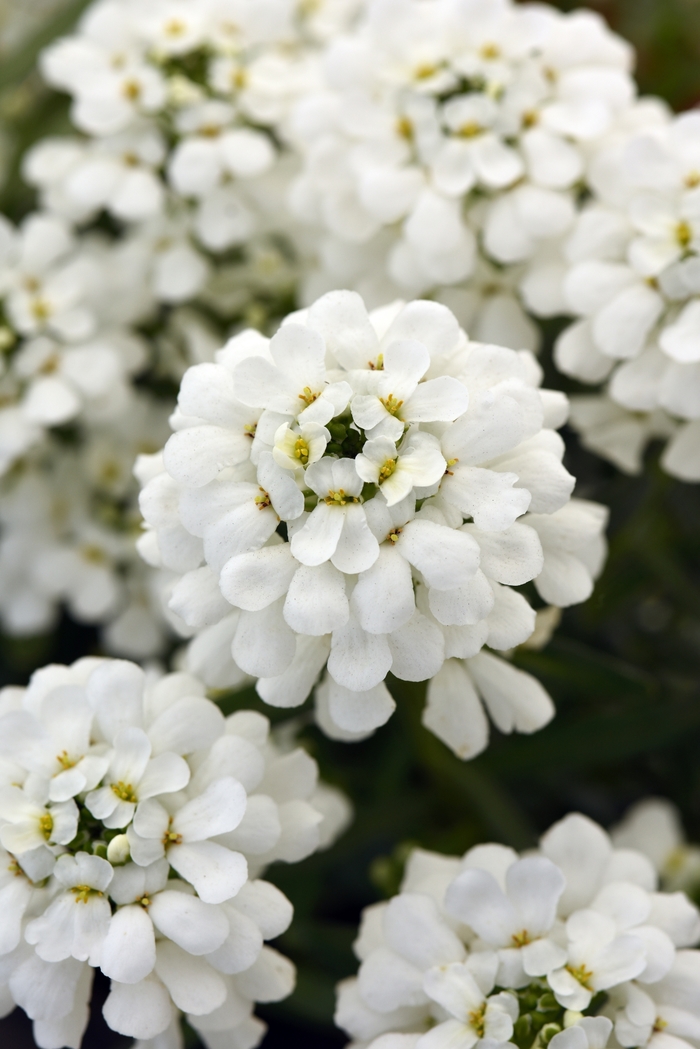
[125, 792]
[64, 761]
[263, 500]
[521, 939]
[46, 825]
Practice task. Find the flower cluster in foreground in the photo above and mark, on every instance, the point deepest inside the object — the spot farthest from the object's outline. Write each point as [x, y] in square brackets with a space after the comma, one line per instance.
[561, 947]
[363, 493]
[135, 821]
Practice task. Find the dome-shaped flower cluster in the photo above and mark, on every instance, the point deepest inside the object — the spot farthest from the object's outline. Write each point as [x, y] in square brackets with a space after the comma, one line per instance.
[452, 135]
[633, 279]
[362, 493]
[561, 947]
[134, 823]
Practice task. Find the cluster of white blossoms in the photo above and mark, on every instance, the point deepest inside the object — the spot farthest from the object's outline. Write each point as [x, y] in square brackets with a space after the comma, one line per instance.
[570, 946]
[183, 106]
[653, 826]
[633, 279]
[66, 353]
[451, 135]
[135, 821]
[70, 519]
[363, 492]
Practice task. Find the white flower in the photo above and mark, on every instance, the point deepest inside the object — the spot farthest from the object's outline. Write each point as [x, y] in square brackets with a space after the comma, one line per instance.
[76, 923]
[632, 283]
[516, 922]
[437, 144]
[477, 1018]
[431, 956]
[653, 827]
[174, 915]
[132, 777]
[348, 494]
[29, 822]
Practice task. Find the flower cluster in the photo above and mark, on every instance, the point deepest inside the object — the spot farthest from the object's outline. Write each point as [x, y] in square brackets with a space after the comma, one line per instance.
[653, 826]
[632, 278]
[135, 821]
[363, 493]
[67, 352]
[559, 948]
[452, 135]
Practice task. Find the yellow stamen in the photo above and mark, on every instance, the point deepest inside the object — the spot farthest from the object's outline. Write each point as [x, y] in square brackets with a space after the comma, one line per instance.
[82, 893]
[582, 974]
[425, 71]
[378, 365]
[530, 118]
[64, 761]
[308, 396]
[46, 825]
[144, 901]
[490, 51]
[684, 234]
[263, 500]
[339, 498]
[391, 403]
[41, 310]
[93, 554]
[404, 128]
[521, 939]
[394, 534]
[477, 1020]
[249, 430]
[692, 179]
[172, 838]
[131, 89]
[450, 463]
[125, 792]
[387, 470]
[301, 451]
[470, 130]
[175, 27]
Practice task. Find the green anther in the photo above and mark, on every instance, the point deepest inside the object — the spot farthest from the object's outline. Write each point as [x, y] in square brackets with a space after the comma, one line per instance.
[46, 825]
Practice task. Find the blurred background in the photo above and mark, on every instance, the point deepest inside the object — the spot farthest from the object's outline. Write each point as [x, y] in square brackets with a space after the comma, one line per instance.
[624, 669]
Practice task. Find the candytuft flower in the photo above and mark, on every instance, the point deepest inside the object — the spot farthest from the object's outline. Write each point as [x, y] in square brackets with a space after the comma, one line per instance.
[499, 949]
[150, 869]
[353, 494]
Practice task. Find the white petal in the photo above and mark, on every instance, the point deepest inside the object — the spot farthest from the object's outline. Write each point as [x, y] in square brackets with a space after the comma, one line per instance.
[195, 926]
[417, 649]
[317, 540]
[357, 549]
[446, 557]
[264, 645]
[316, 603]
[383, 597]
[514, 699]
[360, 711]
[217, 810]
[254, 580]
[141, 1010]
[358, 660]
[129, 950]
[454, 712]
[216, 873]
